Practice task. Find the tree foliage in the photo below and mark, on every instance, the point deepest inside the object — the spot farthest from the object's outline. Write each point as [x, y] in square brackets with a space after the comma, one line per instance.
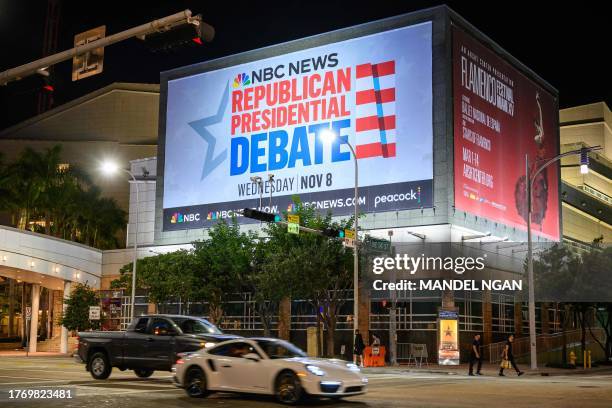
[44, 195]
[269, 268]
[76, 315]
[581, 283]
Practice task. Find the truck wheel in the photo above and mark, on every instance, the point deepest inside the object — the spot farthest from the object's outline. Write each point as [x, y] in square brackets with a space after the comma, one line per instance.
[288, 388]
[143, 373]
[99, 366]
[195, 383]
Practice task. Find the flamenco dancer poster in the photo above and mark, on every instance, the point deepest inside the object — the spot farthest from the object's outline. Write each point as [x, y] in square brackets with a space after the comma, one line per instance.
[500, 116]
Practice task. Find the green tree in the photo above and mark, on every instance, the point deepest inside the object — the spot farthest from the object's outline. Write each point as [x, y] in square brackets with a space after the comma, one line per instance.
[38, 189]
[313, 266]
[266, 284]
[166, 277]
[222, 261]
[76, 315]
[582, 285]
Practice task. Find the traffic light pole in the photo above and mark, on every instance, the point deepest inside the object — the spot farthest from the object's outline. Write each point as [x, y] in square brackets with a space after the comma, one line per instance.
[356, 249]
[184, 17]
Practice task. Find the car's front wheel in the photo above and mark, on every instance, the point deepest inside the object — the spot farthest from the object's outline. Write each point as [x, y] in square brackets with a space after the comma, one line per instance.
[195, 383]
[143, 373]
[288, 388]
[99, 366]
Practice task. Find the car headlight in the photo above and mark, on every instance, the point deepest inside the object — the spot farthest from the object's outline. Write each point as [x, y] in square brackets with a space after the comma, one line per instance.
[207, 344]
[353, 367]
[315, 370]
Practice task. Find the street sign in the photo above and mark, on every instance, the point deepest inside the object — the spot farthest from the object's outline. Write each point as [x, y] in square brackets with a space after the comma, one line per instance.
[377, 244]
[349, 242]
[92, 62]
[28, 313]
[349, 233]
[293, 228]
[94, 312]
[293, 224]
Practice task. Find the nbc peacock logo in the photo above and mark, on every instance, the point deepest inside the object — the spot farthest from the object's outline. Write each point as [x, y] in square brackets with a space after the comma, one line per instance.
[241, 79]
[176, 218]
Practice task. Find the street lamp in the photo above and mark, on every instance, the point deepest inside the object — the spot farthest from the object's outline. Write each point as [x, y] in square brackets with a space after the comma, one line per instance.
[328, 136]
[530, 178]
[257, 180]
[110, 168]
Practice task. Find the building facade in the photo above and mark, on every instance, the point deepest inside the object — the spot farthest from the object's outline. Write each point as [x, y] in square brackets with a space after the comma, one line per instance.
[139, 135]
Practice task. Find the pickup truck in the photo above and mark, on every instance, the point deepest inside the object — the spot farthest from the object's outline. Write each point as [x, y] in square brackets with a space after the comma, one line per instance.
[151, 342]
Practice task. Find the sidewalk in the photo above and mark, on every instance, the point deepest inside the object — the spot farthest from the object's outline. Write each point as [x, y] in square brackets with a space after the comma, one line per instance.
[22, 353]
[487, 370]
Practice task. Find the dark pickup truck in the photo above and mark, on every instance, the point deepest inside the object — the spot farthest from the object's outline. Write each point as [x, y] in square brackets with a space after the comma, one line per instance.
[152, 342]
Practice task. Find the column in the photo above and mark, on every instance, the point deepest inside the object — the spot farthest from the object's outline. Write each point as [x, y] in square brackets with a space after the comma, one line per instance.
[64, 335]
[284, 318]
[11, 322]
[487, 317]
[518, 319]
[34, 319]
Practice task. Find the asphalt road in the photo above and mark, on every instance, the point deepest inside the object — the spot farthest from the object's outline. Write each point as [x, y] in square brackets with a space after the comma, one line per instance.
[420, 389]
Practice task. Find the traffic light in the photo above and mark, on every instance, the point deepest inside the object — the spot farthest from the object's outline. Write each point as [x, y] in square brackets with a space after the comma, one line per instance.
[333, 232]
[40, 82]
[194, 33]
[260, 215]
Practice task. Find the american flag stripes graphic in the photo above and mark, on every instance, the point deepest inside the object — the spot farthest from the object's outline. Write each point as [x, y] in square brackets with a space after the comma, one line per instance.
[375, 110]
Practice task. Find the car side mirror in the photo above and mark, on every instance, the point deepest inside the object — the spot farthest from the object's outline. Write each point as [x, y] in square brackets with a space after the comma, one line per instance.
[252, 356]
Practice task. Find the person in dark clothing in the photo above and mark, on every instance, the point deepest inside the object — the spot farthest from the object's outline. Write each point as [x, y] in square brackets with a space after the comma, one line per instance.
[475, 356]
[508, 355]
[358, 347]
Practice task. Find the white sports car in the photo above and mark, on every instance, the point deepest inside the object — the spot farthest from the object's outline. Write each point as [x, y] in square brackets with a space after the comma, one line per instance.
[266, 366]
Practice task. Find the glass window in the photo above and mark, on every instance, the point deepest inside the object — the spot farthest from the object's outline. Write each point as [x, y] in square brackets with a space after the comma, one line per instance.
[161, 327]
[237, 349]
[280, 349]
[141, 325]
[196, 326]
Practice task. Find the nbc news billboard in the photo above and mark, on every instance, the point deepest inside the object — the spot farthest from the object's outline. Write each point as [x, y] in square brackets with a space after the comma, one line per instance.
[228, 129]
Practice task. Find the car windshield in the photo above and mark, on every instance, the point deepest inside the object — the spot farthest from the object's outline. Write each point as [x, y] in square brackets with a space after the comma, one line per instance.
[280, 349]
[196, 326]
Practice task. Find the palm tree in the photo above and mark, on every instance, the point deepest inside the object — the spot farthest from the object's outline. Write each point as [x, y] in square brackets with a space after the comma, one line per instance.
[37, 187]
[26, 185]
[5, 192]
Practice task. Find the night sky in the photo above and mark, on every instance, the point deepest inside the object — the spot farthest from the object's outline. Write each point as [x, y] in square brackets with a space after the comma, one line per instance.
[564, 44]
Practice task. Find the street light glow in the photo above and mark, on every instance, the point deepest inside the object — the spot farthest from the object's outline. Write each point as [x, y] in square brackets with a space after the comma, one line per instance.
[109, 167]
[327, 135]
[584, 169]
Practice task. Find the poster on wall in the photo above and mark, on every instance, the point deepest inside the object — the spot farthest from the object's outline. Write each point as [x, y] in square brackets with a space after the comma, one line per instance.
[448, 338]
[250, 135]
[499, 117]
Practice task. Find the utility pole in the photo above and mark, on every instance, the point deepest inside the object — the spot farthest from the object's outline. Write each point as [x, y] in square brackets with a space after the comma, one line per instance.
[163, 24]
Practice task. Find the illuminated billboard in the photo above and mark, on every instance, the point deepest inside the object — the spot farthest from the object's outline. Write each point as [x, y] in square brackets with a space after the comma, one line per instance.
[227, 127]
[499, 117]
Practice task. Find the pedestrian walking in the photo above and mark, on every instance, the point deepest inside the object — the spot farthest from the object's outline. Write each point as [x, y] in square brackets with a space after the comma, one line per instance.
[475, 356]
[358, 346]
[508, 358]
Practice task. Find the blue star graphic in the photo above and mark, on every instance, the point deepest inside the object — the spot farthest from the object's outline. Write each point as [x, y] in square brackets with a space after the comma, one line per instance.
[200, 126]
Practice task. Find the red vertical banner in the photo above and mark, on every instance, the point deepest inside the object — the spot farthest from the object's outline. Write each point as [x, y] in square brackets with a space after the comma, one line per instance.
[499, 117]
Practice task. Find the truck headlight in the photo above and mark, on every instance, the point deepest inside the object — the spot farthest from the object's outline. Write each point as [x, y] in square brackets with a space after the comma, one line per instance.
[315, 370]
